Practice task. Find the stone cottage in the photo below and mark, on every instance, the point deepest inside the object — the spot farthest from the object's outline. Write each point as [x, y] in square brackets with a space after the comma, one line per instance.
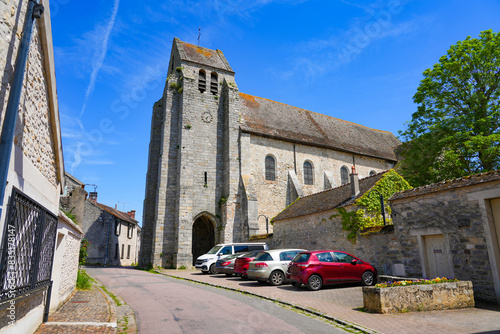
[222, 163]
[452, 229]
[113, 234]
[31, 164]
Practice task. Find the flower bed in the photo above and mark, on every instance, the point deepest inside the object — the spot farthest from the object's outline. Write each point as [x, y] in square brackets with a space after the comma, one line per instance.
[416, 282]
[418, 295]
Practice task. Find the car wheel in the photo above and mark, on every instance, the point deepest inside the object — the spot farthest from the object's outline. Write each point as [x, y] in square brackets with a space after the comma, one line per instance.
[314, 283]
[212, 269]
[368, 278]
[276, 278]
[296, 284]
[228, 274]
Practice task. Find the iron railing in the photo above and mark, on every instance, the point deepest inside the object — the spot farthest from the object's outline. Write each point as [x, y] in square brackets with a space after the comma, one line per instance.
[27, 247]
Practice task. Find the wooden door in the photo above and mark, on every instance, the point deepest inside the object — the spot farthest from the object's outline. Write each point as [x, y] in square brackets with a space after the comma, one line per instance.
[495, 208]
[438, 262]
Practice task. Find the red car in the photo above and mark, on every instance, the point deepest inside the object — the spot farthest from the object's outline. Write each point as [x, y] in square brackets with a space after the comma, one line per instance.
[241, 263]
[318, 268]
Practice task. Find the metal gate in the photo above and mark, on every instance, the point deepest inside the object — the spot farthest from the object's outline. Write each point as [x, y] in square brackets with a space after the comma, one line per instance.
[27, 247]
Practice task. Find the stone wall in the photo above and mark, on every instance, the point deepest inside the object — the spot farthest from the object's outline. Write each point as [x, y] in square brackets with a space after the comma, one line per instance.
[324, 231]
[34, 132]
[273, 196]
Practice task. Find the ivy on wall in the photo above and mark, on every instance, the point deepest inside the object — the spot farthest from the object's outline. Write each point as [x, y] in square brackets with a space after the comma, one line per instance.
[368, 209]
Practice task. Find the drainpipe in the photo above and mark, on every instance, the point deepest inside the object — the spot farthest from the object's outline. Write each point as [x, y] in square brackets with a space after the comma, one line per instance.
[35, 11]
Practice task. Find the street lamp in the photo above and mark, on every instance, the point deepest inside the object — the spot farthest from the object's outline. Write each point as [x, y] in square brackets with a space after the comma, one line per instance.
[267, 222]
[382, 207]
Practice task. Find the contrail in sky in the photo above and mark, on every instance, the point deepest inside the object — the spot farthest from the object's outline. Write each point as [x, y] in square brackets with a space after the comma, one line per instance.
[103, 49]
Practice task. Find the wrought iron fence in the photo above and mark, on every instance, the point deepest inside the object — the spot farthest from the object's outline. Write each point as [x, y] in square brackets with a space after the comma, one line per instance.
[27, 247]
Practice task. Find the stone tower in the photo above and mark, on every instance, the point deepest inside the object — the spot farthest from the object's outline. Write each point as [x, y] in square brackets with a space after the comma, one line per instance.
[193, 166]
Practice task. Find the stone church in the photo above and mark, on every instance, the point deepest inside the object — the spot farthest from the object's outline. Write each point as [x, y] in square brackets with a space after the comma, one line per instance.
[223, 163]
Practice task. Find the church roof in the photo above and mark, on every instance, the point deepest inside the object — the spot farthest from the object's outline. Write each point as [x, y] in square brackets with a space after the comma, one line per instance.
[327, 200]
[273, 119]
[203, 56]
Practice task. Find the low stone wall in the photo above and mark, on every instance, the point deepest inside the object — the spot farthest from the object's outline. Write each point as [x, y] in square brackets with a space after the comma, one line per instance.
[427, 297]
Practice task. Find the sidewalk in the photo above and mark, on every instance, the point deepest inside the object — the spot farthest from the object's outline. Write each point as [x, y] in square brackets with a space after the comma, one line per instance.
[91, 311]
[345, 305]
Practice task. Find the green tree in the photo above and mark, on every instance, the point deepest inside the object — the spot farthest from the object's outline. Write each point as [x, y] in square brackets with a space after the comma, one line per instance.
[455, 131]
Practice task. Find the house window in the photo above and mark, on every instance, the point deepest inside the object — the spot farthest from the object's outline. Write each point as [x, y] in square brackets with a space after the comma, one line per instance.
[118, 227]
[344, 175]
[372, 172]
[213, 83]
[270, 169]
[202, 81]
[128, 252]
[308, 173]
[116, 251]
[123, 251]
[130, 231]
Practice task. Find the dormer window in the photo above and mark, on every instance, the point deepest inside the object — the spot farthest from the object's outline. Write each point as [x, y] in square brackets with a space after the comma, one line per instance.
[213, 83]
[202, 81]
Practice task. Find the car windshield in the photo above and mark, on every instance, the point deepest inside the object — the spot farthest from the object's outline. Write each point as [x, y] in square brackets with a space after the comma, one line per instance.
[214, 250]
[301, 258]
[264, 257]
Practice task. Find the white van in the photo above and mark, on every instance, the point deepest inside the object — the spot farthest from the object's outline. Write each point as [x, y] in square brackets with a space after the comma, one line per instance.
[206, 262]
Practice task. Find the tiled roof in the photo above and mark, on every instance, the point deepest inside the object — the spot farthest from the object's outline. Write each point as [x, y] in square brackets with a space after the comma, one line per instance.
[447, 185]
[118, 214]
[274, 119]
[327, 200]
[201, 55]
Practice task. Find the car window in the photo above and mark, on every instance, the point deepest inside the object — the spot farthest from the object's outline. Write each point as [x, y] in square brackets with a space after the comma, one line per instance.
[264, 257]
[301, 258]
[325, 257]
[343, 257]
[214, 250]
[256, 247]
[240, 248]
[288, 255]
[226, 250]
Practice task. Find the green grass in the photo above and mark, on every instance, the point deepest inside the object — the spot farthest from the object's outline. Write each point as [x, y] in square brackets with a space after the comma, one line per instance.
[117, 301]
[83, 280]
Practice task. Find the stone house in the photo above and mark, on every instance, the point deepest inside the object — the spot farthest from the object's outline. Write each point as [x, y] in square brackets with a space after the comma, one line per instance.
[31, 165]
[222, 163]
[114, 235]
[452, 229]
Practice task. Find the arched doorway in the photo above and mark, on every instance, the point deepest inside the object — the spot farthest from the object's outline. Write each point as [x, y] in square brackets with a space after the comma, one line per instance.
[203, 236]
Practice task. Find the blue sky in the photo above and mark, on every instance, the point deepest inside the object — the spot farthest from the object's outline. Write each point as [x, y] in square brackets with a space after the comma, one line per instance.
[360, 61]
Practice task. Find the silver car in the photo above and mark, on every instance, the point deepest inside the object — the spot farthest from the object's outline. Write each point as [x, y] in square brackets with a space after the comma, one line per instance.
[271, 265]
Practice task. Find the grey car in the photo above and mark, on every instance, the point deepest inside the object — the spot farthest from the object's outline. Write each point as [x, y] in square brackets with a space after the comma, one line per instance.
[271, 265]
[225, 264]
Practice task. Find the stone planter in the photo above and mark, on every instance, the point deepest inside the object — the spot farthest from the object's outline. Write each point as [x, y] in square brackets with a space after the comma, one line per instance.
[427, 297]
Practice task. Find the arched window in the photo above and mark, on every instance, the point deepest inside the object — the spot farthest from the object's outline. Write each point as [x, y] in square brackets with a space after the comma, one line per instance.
[202, 81]
[372, 172]
[308, 173]
[270, 169]
[344, 175]
[213, 83]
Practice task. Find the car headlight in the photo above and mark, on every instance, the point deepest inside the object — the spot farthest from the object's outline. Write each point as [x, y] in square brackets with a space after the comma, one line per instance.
[206, 260]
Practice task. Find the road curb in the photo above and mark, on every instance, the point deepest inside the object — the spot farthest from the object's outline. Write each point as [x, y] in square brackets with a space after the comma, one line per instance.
[340, 321]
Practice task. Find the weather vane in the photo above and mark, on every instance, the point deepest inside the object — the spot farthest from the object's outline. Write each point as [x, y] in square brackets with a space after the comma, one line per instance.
[199, 35]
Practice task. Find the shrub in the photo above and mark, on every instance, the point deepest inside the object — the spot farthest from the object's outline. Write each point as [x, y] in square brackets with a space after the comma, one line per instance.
[83, 251]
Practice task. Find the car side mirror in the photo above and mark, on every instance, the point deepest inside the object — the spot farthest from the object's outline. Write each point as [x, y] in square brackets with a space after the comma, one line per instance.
[354, 262]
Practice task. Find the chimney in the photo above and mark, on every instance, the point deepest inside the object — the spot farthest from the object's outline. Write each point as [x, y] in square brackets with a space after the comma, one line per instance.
[131, 213]
[93, 196]
[354, 183]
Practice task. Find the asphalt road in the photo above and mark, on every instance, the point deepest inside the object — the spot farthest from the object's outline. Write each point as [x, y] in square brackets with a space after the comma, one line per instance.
[167, 305]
